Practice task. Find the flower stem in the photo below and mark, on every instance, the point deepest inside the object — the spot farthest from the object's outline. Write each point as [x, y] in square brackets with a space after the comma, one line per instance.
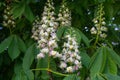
[99, 26]
[49, 70]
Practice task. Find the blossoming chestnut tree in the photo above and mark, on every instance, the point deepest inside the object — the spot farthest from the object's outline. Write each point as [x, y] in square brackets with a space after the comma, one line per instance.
[59, 40]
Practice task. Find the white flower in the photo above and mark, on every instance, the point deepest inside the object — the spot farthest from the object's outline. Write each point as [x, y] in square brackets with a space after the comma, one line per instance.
[69, 69]
[63, 65]
[103, 23]
[44, 25]
[70, 60]
[103, 35]
[103, 28]
[51, 24]
[76, 62]
[53, 53]
[45, 50]
[71, 46]
[93, 30]
[40, 55]
[44, 17]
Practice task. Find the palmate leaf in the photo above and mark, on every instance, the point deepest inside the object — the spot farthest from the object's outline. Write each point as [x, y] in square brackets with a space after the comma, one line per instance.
[5, 44]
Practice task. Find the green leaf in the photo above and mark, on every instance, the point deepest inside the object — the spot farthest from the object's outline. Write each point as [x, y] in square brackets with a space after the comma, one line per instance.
[110, 67]
[114, 56]
[84, 39]
[95, 68]
[18, 10]
[13, 49]
[30, 75]
[85, 59]
[53, 65]
[78, 35]
[5, 44]
[21, 44]
[20, 76]
[45, 75]
[17, 67]
[112, 77]
[60, 31]
[97, 77]
[28, 13]
[29, 57]
[99, 1]
[43, 63]
[72, 77]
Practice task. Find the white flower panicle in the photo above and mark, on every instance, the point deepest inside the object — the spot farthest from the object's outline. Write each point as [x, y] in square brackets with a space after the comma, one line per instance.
[70, 59]
[44, 32]
[64, 16]
[99, 23]
[8, 21]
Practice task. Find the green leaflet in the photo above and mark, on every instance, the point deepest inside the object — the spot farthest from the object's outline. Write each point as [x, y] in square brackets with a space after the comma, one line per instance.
[5, 44]
[18, 70]
[112, 77]
[114, 56]
[84, 38]
[21, 44]
[72, 77]
[29, 57]
[110, 66]
[28, 14]
[20, 76]
[98, 61]
[97, 77]
[18, 9]
[60, 31]
[85, 59]
[29, 75]
[13, 49]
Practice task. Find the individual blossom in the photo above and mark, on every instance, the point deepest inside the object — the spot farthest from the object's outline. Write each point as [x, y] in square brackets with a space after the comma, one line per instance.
[44, 32]
[70, 59]
[8, 20]
[64, 16]
[99, 28]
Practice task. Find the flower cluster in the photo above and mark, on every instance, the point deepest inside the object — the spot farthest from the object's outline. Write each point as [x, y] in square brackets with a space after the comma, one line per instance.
[44, 32]
[64, 16]
[99, 23]
[70, 60]
[8, 18]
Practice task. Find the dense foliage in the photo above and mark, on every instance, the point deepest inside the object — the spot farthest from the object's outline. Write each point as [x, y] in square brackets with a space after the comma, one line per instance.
[84, 45]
